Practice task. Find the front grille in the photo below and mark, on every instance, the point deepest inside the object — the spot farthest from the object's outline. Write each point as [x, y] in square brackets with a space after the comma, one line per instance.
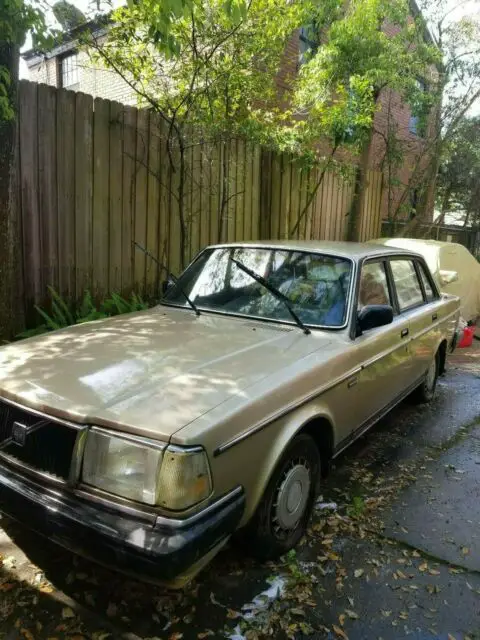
[45, 445]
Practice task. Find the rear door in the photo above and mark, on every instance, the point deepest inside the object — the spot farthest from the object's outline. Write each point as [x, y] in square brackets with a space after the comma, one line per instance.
[418, 302]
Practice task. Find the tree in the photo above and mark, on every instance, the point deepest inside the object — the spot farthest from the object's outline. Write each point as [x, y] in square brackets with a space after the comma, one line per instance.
[458, 188]
[212, 85]
[456, 34]
[338, 89]
[16, 19]
[67, 15]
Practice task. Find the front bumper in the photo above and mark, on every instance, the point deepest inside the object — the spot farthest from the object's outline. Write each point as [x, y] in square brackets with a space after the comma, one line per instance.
[124, 542]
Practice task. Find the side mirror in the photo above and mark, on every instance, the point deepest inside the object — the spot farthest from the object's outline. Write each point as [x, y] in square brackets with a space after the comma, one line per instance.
[166, 284]
[374, 315]
[447, 277]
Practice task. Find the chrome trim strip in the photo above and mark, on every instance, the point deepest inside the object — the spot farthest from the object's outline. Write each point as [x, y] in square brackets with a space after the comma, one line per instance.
[90, 496]
[17, 464]
[41, 414]
[434, 324]
[177, 523]
[155, 444]
[264, 423]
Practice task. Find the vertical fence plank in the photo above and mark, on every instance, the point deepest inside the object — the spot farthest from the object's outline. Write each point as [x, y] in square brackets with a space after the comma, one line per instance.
[47, 184]
[240, 191]
[165, 198]
[141, 199]
[152, 271]
[128, 202]
[83, 191]
[66, 192]
[34, 286]
[115, 196]
[101, 186]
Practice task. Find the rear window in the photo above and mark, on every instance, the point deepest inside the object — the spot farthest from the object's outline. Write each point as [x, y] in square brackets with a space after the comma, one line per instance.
[409, 292]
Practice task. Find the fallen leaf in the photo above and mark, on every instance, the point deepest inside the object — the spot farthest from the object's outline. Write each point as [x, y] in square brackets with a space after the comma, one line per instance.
[7, 586]
[400, 574]
[231, 614]
[67, 613]
[465, 551]
[112, 610]
[403, 615]
[176, 635]
[205, 634]
[423, 567]
[339, 632]
[296, 611]
[358, 573]
[28, 635]
[351, 614]
[450, 637]
[434, 572]
[341, 619]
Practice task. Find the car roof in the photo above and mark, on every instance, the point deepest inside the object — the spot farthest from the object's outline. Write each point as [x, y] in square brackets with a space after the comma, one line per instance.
[353, 250]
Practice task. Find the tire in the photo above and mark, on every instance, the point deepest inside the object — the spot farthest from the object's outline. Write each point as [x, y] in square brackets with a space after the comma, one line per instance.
[426, 391]
[282, 517]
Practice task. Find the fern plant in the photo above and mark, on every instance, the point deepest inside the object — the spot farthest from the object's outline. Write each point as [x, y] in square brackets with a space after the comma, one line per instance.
[62, 315]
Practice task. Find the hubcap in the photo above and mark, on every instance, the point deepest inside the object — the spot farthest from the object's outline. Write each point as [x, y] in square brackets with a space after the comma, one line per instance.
[430, 380]
[292, 496]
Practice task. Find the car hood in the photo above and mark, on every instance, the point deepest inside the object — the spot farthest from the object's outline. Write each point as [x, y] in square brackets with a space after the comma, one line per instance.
[148, 373]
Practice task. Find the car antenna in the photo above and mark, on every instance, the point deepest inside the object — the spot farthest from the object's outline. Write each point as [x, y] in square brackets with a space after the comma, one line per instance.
[170, 275]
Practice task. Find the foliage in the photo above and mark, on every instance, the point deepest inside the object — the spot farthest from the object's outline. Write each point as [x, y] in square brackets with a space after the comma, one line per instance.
[63, 315]
[458, 185]
[17, 17]
[67, 15]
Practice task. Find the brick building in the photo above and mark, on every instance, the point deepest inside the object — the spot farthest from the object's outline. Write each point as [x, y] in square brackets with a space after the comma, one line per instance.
[67, 67]
[64, 66]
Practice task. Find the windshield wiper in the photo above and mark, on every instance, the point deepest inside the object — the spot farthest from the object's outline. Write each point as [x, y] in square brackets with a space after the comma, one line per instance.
[274, 291]
[170, 275]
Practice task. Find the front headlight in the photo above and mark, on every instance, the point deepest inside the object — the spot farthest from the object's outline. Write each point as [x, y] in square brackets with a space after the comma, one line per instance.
[139, 469]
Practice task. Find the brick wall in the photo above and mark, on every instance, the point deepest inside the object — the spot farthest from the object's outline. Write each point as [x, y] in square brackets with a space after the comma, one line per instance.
[92, 79]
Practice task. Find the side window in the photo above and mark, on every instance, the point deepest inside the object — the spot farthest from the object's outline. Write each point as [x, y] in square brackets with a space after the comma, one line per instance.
[409, 292]
[373, 285]
[426, 283]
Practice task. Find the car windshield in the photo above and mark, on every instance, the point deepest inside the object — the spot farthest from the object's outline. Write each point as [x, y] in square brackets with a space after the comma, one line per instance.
[316, 286]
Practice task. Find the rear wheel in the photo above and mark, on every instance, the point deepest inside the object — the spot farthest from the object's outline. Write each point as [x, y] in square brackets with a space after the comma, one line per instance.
[282, 516]
[426, 391]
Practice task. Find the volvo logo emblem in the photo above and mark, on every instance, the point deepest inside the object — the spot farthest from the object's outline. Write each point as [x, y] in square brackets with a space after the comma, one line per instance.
[19, 433]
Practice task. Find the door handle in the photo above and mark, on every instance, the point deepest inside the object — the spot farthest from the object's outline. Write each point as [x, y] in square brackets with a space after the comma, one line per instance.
[434, 317]
[404, 333]
[352, 382]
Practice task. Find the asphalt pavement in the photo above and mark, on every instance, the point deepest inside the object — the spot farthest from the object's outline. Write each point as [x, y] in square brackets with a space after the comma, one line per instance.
[393, 552]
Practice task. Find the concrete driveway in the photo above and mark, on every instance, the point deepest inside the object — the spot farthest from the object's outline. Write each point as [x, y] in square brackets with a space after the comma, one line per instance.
[393, 552]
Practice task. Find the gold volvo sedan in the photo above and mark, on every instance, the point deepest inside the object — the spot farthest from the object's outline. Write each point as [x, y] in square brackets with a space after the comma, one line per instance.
[145, 441]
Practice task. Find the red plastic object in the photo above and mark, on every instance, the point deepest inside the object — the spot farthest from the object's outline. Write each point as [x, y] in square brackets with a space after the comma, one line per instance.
[467, 338]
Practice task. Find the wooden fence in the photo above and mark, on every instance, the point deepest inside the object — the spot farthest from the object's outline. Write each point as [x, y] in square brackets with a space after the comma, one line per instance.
[95, 176]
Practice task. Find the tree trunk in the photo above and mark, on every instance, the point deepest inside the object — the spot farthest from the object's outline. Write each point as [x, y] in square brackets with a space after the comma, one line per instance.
[361, 183]
[11, 314]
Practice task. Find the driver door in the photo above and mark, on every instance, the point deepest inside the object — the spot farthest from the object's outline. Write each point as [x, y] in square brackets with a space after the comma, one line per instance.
[383, 352]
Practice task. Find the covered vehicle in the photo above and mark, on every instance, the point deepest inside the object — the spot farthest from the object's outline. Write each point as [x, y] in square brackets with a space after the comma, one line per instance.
[454, 268]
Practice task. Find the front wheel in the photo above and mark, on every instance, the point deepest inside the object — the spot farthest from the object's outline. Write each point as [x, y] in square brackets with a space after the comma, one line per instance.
[426, 391]
[282, 516]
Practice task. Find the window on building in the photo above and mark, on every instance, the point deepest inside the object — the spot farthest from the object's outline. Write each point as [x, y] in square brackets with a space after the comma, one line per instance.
[308, 42]
[416, 124]
[69, 71]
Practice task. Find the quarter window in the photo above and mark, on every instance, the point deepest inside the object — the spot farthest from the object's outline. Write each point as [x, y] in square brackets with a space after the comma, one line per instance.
[373, 285]
[426, 283]
[409, 292]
